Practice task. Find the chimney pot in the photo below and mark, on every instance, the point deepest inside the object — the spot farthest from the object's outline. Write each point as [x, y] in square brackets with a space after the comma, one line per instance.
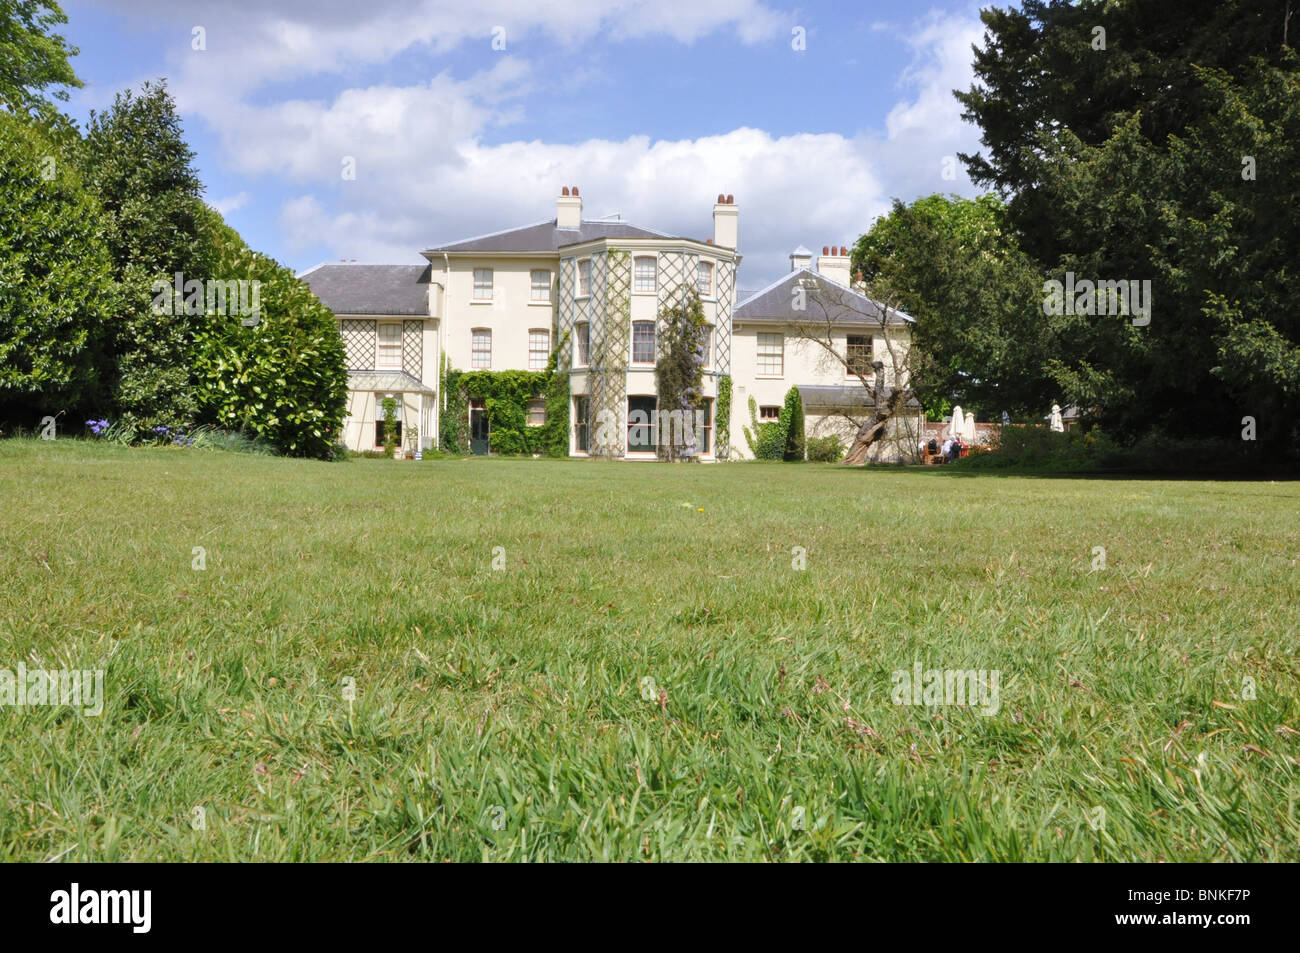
[844, 250]
[564, 191]
[826, 249]
[731, 199]
[709, 241]
[575, 190]
[722, 199]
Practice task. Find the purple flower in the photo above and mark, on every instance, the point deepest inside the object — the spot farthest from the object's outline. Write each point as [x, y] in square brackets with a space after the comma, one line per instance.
[97, 427]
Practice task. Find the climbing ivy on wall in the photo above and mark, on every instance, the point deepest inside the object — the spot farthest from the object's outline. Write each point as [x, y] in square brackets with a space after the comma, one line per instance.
[723, 424]
[505, 396]
[453, 421]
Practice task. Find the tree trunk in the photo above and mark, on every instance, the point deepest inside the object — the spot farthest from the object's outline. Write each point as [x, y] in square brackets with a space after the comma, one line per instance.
[870, 432]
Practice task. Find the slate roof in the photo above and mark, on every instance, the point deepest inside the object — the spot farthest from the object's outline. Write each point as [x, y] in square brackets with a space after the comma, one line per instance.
[371, 289]
[833, 397]
[843, 304]
[546, 237]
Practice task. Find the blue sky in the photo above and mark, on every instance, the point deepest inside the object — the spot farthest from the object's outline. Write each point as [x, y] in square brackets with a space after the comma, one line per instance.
[651, 108]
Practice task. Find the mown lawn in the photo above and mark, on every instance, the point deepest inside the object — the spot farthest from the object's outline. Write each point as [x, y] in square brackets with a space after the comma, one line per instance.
[507, 714]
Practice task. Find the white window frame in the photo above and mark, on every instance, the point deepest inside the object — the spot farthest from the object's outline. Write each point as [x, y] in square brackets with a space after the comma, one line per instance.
[653, 342]
[380, 362]
[848, 357]
[708, 346]
[766, 371]
[536, 401]
[533, 286]
[637, 277]
[479, 283]
[584, 278]
[534, 352]
[706, 292]
[475, 335]
[582, 343]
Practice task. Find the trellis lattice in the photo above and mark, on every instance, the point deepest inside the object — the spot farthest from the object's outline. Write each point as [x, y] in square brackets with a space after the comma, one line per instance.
[413, 348]
[360, 338]
[724, 277]
[566, 288]
[609, 314]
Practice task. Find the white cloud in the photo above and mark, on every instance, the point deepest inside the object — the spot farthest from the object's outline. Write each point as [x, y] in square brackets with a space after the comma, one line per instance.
[231, 203]
[431, 185]
[424, 175]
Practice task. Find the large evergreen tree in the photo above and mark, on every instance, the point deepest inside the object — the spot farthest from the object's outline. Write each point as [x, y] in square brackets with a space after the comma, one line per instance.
[142, 169]
[1170, 155]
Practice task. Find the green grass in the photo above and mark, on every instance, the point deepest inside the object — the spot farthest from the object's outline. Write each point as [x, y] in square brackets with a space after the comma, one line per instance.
[515, 697]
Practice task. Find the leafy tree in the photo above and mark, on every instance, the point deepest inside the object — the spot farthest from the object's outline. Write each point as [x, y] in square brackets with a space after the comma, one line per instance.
[56, 288]
[33, 58]
[679, 368]
[979, 317]
[285, 377]
[139, 164]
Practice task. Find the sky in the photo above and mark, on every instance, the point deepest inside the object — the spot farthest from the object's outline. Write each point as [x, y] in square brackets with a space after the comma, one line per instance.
[458, 119]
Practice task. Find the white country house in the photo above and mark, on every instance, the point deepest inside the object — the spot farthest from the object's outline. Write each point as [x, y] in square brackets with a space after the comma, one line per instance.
[501, 301]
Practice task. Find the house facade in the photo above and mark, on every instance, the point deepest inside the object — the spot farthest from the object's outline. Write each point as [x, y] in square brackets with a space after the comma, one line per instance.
[503, 301]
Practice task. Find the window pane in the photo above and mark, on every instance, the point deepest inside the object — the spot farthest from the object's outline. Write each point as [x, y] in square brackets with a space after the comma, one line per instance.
[770, 356]
[584, 342]
[769, 413]
[703, 442]
[390, 346]
[481, 349]
[536, 412]
[643, 342]
[539, 349]
[708, 345]
[704, 279]
[584, 277]
[645, 274]
[482, 282]
[640, 416]
[580, 408]
[858, 354]
[541, 290]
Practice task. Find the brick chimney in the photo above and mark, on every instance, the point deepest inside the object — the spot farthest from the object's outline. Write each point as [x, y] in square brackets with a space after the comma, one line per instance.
[568, 208]
[725, 221]
[834, 264]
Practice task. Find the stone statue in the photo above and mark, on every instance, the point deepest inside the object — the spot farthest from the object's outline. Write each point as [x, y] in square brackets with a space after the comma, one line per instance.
[1054, 419]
